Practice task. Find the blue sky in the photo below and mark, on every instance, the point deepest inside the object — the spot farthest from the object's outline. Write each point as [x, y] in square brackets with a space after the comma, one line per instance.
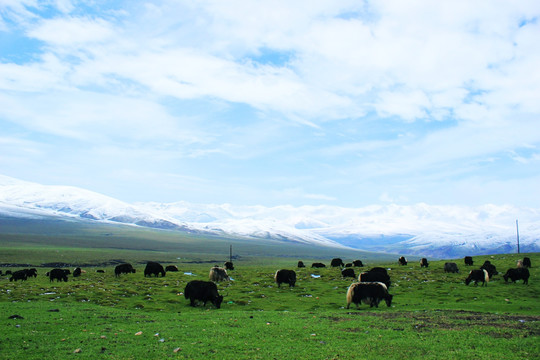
[347, 103]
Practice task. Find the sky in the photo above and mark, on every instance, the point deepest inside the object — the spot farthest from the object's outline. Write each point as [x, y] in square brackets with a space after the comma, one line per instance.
[345, 103]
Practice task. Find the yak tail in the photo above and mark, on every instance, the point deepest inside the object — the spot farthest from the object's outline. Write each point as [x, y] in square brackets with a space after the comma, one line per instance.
[486, 276]
[350, 293]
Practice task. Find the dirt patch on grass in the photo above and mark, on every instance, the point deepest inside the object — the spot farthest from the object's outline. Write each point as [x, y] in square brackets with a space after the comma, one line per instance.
[506, 326]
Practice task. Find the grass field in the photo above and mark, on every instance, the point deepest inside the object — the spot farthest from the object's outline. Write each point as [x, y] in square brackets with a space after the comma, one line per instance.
[433, 315]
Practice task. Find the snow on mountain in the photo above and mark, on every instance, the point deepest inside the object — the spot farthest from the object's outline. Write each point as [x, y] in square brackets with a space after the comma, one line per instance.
[421, 229]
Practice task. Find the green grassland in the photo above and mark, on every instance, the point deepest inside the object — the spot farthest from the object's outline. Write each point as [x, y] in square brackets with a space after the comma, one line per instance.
[100, 316]
[434, 314]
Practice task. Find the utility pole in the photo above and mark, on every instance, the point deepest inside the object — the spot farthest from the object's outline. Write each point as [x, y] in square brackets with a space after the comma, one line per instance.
[517, 232]
[230, 253]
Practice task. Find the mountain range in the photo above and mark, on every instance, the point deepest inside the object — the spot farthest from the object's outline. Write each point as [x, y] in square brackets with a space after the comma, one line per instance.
[420, 229]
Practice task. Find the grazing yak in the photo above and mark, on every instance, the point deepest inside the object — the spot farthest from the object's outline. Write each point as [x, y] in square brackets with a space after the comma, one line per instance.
[100, 271]
[77, 272]
[424, 263]
[123, 269]
[218, 274]
[476, 276]
[451, 267]
[172, 268]
[58, 275]
[228, 265]
[301, 264]
[370, 293]
[402, 261]
[154, 268]
[469, 261]
[377, 274]
[203, 291]
[490, 268]
[526, 262]
[517, 274]
[336, 262]
[18, 275]
[31, 272]
[318, 265]
[285, 276]
[357, 263]
[348, 272]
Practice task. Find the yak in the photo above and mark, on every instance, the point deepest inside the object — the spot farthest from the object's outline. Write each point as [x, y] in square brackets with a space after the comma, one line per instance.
[348, 272]
[77, 272]
[172, 268]
[468, 261]
[218, 274]
[527, 262]
[476, 276]
[285, 276]
[18, 275]
[424, 263]
[517, 274]
[123, 269]
[370, 293]
[402, 260]
[318, 265]
[228, 265]
[336, 262]
[58, 275]
[153, 268]
[377, 274]
[490, 268]
[451, 267]
[203, 291]
[301, 264]
[31, 272]
[358, 263]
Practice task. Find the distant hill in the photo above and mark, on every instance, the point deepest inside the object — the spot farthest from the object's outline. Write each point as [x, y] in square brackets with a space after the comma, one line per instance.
[421, 230]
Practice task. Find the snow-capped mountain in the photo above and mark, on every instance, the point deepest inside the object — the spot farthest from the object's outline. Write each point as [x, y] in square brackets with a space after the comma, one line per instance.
[435, 231]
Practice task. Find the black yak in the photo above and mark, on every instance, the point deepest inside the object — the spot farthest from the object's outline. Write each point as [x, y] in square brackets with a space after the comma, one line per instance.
[301, 264]
[358, 263]
[517, 274]
[77, 272]
[228, 265]
[154, 268]
[370, 293]
[172, 268]
[468, 261]
[59, 275]
[18, 275]
[318, 265]
[424, 262]
[218, 274]
[285, 276]
[490, 268]
[451, 267]
[526, 262]
[203, 291]
[336, 262]
[402, 260]
[123, 269]
[348, 272]
[377, 274]
[31, 272]
[476, 276]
